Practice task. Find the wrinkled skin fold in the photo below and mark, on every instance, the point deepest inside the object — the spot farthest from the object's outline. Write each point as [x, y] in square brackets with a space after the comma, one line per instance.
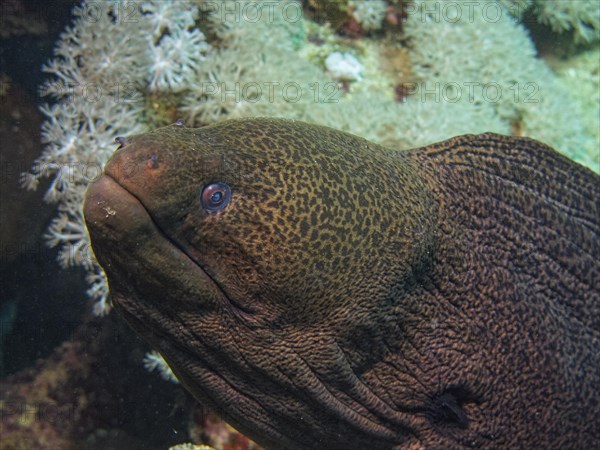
[350, 296]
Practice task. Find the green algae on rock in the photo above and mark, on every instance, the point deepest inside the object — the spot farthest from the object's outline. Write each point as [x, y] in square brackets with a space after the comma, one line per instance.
[321, 291]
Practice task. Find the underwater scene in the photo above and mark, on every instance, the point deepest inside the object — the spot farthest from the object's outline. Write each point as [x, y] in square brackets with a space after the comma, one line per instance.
[299, 224]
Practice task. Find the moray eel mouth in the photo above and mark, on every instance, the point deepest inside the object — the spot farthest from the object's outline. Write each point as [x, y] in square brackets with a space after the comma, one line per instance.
[118, 219]
[144, 257]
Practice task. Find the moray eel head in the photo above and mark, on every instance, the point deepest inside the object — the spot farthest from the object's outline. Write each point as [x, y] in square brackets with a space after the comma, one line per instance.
[239, 251]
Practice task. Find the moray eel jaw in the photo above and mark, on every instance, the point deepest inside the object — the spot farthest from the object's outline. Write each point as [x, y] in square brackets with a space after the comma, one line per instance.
[117, 219]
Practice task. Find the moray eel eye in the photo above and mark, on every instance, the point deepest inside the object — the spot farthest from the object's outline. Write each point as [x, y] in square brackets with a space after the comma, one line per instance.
[215, 196]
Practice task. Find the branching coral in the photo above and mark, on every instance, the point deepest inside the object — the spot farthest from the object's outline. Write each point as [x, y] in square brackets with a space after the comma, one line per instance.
[176, 47]
[105, 65]
[153, 361]
[175, 58]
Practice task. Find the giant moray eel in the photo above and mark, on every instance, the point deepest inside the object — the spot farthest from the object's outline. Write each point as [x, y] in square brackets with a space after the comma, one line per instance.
[324, 292]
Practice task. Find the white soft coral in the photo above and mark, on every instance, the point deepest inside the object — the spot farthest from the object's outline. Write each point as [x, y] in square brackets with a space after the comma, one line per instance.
[175, 59]
[176, 47]
[163, 15]
[105, 65]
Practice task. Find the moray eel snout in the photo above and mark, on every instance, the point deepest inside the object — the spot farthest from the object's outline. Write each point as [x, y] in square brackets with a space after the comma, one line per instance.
[321, 291]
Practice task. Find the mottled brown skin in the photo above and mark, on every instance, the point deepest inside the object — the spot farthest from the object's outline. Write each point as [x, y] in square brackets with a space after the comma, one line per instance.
[353, 297]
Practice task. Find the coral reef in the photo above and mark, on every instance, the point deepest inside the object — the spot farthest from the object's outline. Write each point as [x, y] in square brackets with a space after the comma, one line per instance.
[153, 361]
[581, 76]
[191, 447]
[469, 74]
[210, 429]
[243, 76]
[176, 50]
[343, 66]
[582, 17]
[96, 100]
[81, 397]
[334, 12]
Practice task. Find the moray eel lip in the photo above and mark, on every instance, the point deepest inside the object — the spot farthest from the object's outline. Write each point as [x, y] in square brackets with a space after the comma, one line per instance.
[114, 212]
[102, 197]
[117, 220]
